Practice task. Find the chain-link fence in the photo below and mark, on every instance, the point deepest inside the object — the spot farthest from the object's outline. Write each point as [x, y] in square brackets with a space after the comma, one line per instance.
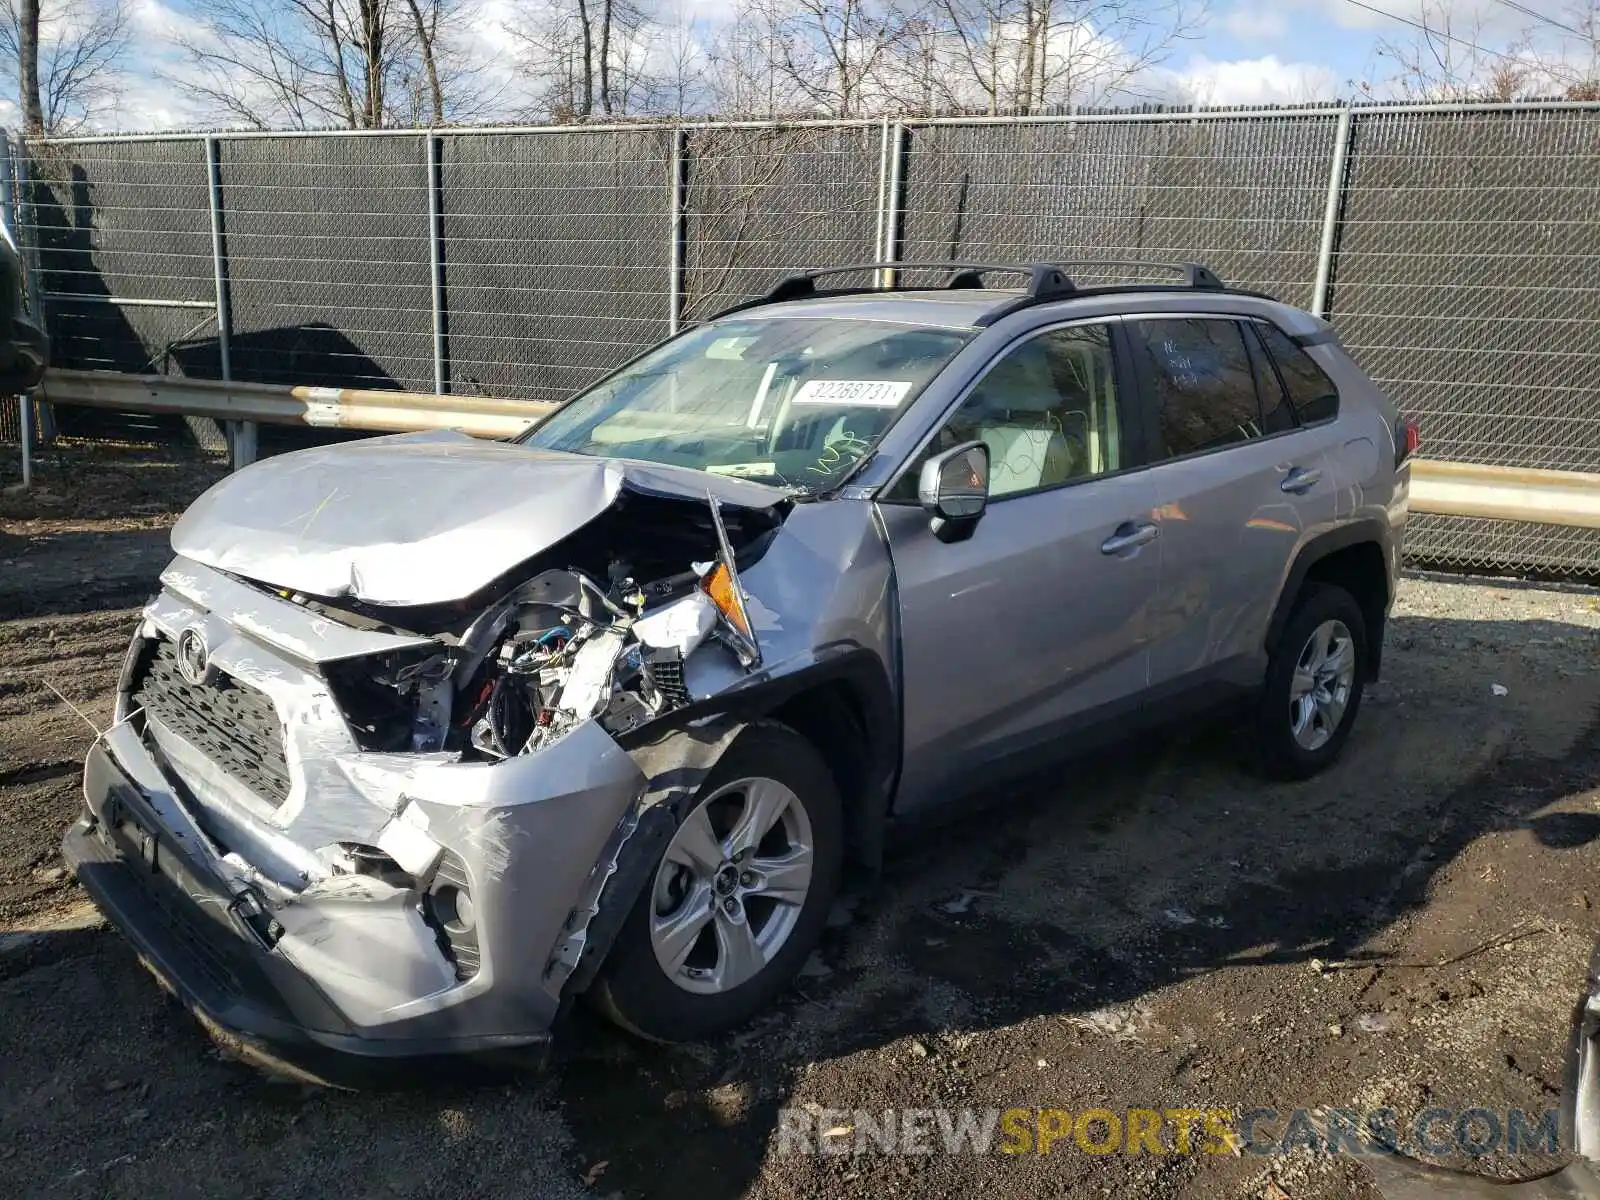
[1466, 280]
[763, 200]
[1246, 197]
[1455, 248]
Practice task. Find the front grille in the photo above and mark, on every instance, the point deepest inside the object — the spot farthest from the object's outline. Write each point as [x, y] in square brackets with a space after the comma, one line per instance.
[232, 723]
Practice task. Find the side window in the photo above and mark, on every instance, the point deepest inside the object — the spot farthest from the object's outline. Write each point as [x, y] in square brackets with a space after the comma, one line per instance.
[1047, 410]
[1204, 387]
[1277, 414]
[1313, 394]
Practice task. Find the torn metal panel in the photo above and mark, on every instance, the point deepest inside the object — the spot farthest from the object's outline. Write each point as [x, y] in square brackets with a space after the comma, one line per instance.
[298, 632]
[674, 764]
[419, 518]
[366, 946]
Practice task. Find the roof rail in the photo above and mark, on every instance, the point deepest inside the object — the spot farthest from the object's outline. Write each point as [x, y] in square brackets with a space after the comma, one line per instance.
[962, 275]
[1193, 274]
[1046, 280]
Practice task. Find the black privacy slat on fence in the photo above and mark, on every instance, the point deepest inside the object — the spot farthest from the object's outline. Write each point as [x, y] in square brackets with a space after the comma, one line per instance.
[555, 257]
[762, 202]
[1246, 197]
[128, 221]
[1467, 282]
[1465, 267]
[327, 247]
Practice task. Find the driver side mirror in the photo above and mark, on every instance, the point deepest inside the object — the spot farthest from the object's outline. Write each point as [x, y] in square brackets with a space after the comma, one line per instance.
[953, 489]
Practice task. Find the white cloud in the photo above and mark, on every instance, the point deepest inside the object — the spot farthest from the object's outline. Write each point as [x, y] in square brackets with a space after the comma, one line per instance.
[1253, 24]
[1265, 80]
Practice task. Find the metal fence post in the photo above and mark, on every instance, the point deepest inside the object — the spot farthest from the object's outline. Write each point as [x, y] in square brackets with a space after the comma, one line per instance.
[1331, 213]
[677, 228]
[436, 255]
[883, 199]
[894, 216]
[241, 434]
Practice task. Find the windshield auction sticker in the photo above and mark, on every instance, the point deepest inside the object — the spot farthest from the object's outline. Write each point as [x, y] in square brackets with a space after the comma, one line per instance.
[855, 393]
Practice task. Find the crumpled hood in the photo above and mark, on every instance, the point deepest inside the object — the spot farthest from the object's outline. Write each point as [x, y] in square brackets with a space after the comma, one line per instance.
[417, 518]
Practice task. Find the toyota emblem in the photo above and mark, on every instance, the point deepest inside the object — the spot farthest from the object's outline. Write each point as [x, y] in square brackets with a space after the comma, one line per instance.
[194, 657]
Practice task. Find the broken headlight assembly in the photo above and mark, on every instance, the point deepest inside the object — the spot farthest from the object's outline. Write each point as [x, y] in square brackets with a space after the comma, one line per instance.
[557, 650]
[555, 666]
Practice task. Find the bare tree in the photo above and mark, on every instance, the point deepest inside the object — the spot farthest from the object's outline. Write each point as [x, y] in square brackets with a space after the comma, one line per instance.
[742, 75]
[1446, 56]
[361, 64]
[682, 86]
[591, 57]
[67, 53]
[1451, 56]
[834, 53]
[1567, 48]
[1028, 55]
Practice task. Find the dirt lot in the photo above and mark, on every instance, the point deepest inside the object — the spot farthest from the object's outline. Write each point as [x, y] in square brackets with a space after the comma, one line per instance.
[1149, 930]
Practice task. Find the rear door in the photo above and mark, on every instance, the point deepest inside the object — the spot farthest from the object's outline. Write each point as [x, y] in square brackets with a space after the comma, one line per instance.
[1238, 482]
[1040, 619]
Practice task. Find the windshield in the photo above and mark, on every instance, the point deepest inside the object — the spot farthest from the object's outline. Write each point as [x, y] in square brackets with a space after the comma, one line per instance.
[793, 401]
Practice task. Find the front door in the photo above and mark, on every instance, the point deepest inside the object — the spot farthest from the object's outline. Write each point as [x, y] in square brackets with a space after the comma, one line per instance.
[1038, 622]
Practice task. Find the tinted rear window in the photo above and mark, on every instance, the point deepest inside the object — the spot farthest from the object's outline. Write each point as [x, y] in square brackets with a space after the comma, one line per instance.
[1313, 394]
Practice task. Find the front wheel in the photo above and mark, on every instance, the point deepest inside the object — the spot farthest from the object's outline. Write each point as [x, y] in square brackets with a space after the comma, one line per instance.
[1313, 685]
[739, 898]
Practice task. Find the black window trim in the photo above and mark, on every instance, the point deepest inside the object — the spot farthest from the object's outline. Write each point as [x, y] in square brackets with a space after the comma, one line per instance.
[1255, 346]
[1132, 433]
[1304, 342]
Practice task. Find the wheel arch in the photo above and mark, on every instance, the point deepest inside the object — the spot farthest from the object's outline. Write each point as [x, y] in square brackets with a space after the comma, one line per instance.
[1355, 557]
[843, 703]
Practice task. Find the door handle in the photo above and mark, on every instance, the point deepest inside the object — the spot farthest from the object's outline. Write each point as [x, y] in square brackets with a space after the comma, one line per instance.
[1128, 535]
[1300, 480]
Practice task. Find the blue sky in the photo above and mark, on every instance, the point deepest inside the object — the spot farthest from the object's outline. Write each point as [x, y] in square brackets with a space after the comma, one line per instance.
[1257, 50]
[1246, 51]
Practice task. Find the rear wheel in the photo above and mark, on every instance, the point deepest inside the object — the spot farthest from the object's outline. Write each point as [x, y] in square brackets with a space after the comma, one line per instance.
[739, 898]
[1313, 685]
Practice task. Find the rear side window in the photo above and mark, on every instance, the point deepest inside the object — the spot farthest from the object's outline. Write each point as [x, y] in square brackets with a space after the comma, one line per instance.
[1277, 414]
[1313, 394]
[1202, 382]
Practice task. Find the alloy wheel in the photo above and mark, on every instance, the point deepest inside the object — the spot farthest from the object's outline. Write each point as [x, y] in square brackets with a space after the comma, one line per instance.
[1319, 691]
[731, 885]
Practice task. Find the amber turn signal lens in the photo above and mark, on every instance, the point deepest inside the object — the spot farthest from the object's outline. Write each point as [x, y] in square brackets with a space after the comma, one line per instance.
[718, 584]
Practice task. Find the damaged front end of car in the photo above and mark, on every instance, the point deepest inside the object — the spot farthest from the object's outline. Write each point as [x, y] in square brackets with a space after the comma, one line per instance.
[338, 825]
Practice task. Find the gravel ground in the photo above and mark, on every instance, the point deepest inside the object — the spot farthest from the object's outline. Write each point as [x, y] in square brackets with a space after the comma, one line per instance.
[1150, 929]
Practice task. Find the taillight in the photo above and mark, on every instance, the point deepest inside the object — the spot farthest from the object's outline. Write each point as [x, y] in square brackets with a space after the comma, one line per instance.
[1407, 439]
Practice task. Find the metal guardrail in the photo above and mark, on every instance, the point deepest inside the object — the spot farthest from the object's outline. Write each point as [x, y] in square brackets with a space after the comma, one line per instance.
[319, 407]
[1568, 498]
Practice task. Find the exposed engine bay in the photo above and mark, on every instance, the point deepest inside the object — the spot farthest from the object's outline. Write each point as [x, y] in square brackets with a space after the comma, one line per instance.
[556, 650]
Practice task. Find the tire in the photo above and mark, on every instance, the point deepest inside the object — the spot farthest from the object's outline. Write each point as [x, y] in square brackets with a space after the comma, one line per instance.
[712, 988]
[1287, 741]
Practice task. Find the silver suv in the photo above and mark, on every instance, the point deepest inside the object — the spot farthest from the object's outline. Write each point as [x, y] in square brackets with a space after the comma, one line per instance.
[424, 736]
